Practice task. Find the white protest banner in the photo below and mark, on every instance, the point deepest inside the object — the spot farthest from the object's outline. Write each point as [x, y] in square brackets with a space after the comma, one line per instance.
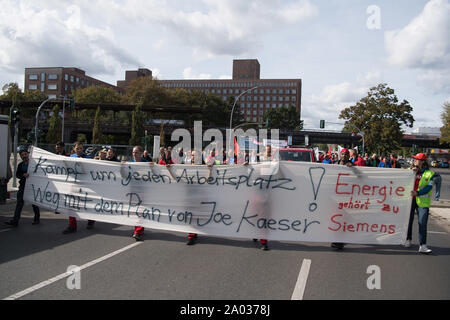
[295, 201]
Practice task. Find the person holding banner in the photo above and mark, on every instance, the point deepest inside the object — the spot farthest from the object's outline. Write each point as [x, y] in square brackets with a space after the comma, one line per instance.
[111, 155]
[264, 157]
[137, 156]
[345, 161]
[22, 175]
[78, 152]
[421, 201]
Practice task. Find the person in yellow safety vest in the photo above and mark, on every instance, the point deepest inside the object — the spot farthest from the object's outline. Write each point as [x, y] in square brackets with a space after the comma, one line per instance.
[421, 201]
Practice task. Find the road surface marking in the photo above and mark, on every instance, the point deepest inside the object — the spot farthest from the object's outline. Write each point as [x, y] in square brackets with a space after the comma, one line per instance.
[4, 230]
[66, 274]
[301, 280]
[436, 232]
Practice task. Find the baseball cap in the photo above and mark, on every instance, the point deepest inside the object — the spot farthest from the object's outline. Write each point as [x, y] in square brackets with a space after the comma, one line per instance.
[345, 151]
[420, 156]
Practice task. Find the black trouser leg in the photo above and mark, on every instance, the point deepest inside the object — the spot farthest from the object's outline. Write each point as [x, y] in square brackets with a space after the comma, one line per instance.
[19, 206]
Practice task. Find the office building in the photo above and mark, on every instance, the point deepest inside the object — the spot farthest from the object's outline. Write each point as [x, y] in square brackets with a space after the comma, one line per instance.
[59, 81]
[269, 93]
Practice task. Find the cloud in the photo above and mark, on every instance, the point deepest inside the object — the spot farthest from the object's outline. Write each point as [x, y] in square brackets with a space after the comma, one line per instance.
[188, 73]
[328, 103]
[424, 44]
[226, 27]
[32, 35]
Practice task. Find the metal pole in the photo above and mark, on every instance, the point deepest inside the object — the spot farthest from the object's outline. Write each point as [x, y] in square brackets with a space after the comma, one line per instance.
[37, 118]
[16, 142]
[63, 114]
[232, 110]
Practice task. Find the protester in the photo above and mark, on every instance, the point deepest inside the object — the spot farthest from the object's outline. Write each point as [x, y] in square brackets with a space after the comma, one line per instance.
[327, 159]
[22, 175]
[421, 201]
[356, 159]
[374, 161]
[345, 161]
[137, 156]
[111, 155]
[166, 158]
[384, 163]
[394, 162]
[192, 237]
[102, 154]
[60, 149]
[437, 182]
[78, 152]
[147, 156]
[265, 157]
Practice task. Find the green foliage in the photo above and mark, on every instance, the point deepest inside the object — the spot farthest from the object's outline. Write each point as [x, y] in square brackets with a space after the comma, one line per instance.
[54, 130]
[283, 118]
[380, 116]
[97, 133]
[445, 129]
[137, 125]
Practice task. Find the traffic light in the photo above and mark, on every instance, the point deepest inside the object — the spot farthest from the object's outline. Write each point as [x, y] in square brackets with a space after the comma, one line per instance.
[322, 124]
[15, 116]
[72, 103]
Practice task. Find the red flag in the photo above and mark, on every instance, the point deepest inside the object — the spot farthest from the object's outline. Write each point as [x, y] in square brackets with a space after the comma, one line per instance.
[236, 147]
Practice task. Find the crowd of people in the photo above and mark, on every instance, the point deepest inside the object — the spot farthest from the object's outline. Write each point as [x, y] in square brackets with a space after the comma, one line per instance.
[421, 195]
[383, 161]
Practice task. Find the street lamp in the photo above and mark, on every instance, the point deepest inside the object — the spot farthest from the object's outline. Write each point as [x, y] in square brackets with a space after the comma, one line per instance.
[37, 118]
[232, 110]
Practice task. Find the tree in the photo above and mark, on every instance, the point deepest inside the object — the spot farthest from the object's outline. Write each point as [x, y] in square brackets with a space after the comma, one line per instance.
[54, 130]
[445, 129]
[137, 125]
[97, 133]
[146, 91]
[283, 118]
[380, 116]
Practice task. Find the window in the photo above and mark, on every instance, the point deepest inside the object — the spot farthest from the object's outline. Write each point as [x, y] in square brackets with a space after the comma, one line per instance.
[52, 87]
[33, 77]
[52, 76]
[52, 96]
[294, 91]
[42, 86]
[72, 78]
[77, 80]
[32, 87]
[43, 76]
[66, 77]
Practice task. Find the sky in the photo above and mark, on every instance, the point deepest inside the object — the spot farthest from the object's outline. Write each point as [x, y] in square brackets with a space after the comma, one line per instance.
[339, 48]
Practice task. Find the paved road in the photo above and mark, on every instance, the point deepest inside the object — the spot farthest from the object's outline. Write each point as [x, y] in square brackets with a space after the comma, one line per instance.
[163, 267]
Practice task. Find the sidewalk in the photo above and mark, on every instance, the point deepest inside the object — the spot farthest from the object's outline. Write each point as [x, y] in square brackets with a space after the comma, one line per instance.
[440, 210]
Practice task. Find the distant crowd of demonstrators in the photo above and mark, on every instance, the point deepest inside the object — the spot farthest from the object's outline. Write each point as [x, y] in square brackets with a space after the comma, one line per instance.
[391, 161]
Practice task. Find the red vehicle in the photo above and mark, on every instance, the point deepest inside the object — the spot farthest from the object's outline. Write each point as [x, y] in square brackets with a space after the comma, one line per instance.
[297, 154]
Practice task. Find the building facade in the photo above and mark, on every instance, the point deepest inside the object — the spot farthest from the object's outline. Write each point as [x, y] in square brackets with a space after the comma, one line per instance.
[267, 93]
[59, 81]
[131, 75]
